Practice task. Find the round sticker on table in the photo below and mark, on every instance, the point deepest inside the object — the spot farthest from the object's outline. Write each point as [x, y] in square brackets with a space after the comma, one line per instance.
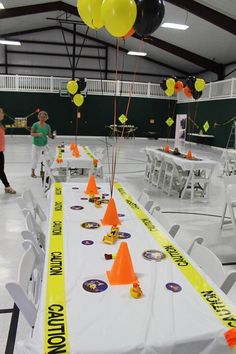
[75, 188]
[154, 255]
[87, 242]
[123, 235]
[76, 207]
[99, 187]
[121, 215]
[105, 195]
[173, 287]
[84, 198]
[90, 225]
[95, 286]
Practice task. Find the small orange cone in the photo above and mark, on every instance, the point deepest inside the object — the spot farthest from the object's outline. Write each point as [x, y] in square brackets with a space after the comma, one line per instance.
[111, 216]
[166, 148]
[189, 155]
[91, 186]
[122, 271]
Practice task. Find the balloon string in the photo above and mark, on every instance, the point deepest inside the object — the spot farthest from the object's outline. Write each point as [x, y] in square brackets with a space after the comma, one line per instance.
[114, 152]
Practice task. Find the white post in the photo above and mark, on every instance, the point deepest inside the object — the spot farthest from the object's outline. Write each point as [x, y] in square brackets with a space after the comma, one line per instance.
[210, 90]
[17, 82]
[117, 88]
[51, 83]
[232, 88]
[149, 89]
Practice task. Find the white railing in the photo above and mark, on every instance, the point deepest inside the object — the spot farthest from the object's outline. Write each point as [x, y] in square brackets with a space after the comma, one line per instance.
[52, 84]
[213, 91]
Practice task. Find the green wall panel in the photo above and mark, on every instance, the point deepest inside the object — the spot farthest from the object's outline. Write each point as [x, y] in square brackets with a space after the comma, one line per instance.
[96, 112]
[212, 111]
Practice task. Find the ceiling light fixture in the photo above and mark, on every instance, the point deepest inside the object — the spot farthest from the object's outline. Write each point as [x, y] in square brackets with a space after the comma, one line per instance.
[139, 54]
[1, 6]
[6, 42]
[174, 26]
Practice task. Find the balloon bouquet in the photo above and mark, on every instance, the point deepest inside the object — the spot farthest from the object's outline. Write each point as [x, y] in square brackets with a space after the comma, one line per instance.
[122, 18]
[193, 88]
[74, 88]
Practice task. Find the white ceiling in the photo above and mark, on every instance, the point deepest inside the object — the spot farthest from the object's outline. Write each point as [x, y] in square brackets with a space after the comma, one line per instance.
[202, 38]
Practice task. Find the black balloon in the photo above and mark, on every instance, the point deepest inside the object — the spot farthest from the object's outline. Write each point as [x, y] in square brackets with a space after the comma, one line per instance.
[190, 82]
[196, 94]
[163, 85]
[82, 84]
[150, 14]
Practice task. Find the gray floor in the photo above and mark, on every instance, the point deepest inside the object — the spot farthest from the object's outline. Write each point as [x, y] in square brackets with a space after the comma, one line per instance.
[200, 218]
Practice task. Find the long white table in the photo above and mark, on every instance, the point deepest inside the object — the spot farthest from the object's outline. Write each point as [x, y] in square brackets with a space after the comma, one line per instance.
[112, 322]
[85, 160]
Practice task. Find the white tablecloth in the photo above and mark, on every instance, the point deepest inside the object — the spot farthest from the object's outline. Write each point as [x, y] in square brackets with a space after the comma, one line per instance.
[185, 164]
[69, 161]
[112, 322]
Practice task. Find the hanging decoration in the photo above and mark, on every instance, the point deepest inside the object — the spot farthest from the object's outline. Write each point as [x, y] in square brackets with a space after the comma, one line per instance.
[194, 86]
[75, 88]
[150, 14]
[90, 13]
[119, 16]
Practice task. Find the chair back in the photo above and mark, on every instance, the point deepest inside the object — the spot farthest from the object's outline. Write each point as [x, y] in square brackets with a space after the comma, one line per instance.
[32, 205]
[208, 261]
[145, 201]
[35, 229]
[19, 290]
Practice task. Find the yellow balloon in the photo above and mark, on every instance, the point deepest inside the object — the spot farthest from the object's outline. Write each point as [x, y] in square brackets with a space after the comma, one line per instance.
[170, 83]
[170, 91]
[90, 13]
[199, 85]
[78, 100]
[72, 87]
[118, 16]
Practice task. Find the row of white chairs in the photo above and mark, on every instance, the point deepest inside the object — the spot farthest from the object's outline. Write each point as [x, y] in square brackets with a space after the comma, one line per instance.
[202, 255]
[163, 173]
[230, 201]
[26, 289]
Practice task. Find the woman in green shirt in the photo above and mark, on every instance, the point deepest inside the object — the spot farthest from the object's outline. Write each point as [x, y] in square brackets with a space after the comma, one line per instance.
[40, 132]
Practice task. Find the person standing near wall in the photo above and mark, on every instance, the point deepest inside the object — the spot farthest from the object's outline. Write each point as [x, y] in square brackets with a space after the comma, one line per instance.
[3, 176]
[40, 131]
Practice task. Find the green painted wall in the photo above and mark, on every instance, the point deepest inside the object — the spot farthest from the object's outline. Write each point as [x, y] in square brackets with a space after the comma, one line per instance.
[96, 112]
[214, 111]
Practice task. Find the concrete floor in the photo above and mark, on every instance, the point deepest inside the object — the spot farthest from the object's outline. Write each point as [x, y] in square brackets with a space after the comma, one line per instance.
[200, 218]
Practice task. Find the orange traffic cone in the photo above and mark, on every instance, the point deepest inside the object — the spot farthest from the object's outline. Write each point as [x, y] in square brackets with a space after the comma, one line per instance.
[189, 155]
[91, 186]
[122, 271]
[166, 148]
[111, 216]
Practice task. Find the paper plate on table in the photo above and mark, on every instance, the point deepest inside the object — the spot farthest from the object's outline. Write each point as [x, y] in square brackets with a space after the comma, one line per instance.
[95, 285]
[154, 255]
[90, 225]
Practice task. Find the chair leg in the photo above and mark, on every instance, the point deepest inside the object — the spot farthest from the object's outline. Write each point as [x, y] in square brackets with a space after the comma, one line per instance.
[223, 216]
[231, 212]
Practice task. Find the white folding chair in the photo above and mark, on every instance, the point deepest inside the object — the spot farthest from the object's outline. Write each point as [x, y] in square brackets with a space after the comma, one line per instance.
[158, 171]
[29, 237]
[35, 229]
[174, 178]
[25, 292]
[149, 165]
[158, 215]
[211, 264]
[230, 203]
[148, 203]
[27, 201]
[198, 182]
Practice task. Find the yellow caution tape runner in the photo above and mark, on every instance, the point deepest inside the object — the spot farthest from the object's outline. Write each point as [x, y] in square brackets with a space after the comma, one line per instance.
[56, 329]
[200, 284]
[88, 152]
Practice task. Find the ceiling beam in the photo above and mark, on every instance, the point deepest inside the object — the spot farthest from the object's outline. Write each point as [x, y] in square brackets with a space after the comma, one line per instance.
[102, 43]
[55, 54]
[82, 69]
[184, 54]
[206, 13]
[126, 51]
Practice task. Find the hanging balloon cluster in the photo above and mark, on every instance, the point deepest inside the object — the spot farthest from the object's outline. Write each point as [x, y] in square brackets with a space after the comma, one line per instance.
[171, 85]
[194, 86]
[122, 18]
[74, 88]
